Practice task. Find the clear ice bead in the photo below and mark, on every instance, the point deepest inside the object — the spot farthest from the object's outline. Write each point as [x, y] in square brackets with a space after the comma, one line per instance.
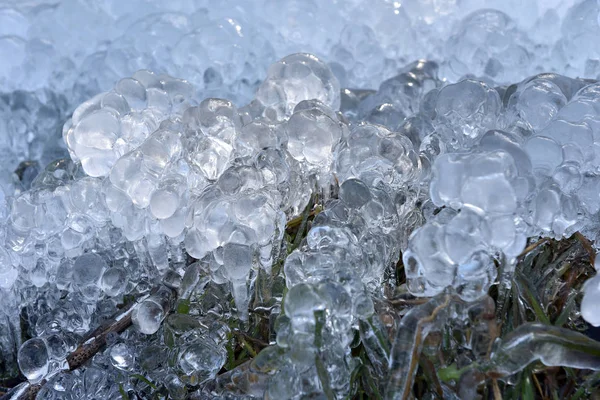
[148, 316]
[33, 359]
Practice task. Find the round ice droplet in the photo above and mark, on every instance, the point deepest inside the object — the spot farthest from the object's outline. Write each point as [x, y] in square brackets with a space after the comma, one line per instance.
[202, 357]
[312, 135]
[176, 388]
[300, 77]
[163, 203]
[57, 347]
[88, 269]
[33, 359]
[114, 281]
[354, 193]
[148, 316]
[121, 356]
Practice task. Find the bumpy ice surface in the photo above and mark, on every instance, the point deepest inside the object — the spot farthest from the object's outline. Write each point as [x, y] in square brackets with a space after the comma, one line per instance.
[131, 183]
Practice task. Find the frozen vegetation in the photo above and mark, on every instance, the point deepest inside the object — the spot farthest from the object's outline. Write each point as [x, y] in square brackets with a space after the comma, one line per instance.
[299, 199]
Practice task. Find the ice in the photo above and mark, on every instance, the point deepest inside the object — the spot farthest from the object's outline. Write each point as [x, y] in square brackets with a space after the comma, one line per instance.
[357, 44]
[58, 348]
[537, 102]
[212, 127]
[489, 43]
[302, 302]
[113, 281]
[108, 127]
[580, 22]
[201, 360]
[34, 359]
[29, 129]
[552, 346]
[201, 183]
[148, 316]
[311, 137]
[8, 274]
[177, 389]
[121, 356]
[545, 154]
[88, 269]
[589, 308]
[465, 111]
[255, 136]
[354, 193]
[237, 260]
[373, 153]
[296, 78]
[536, 165]
[425, 318]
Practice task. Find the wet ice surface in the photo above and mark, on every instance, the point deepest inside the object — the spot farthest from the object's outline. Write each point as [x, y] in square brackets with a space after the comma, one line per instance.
[159, 148]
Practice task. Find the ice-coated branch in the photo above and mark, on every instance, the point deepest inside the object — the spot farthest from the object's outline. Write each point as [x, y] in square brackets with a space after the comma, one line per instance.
[90, 345]
[413, 329]
[550, 345]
